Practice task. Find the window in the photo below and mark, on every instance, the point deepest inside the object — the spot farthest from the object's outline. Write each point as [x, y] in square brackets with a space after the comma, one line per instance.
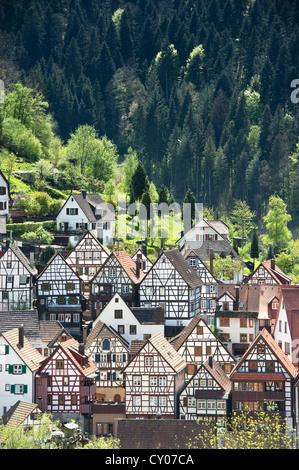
[106, 345]
[148, 361]
[252, 366]
[18, 389]
[225, 306]
[61, 400]
[137, 401]
[104, 429]
[211, 404]
[46, 286]
[118, 313]
[153, 381]
[191, 402]
[198, 351]
[191, 368]
[261, 348]
[162, 290]
[137, 381]
[270, 366]
[17, 369]
[243, 322]
[23, 279]
[59, 364]
[153, 401]
[133, 330]
[70, 286]
[121, 329]
[162, 401]
[287, 349]
[221, 404]
[274, 304]
[162, 381]
[199, 330]
[201, 404]
[192, 262]
[202, 383]
[112, 272]
[243, 338]
[74, 399]
[4, 295]
[65, 381]
[224, 321]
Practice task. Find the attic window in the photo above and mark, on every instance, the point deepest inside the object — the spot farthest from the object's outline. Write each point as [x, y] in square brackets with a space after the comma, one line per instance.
[275, 304]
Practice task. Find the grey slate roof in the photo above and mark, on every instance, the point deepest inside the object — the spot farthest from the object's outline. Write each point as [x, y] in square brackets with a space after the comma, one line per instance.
[89, 204]
[24, 260]
[180, 264]
[153, 315]
[220, 247]
[28, 318]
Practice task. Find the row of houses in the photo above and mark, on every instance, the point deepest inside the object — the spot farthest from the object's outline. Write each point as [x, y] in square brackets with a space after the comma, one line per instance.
[104, 337]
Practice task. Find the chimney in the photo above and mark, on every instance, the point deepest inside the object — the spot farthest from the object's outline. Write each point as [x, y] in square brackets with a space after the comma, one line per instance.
[84, 194]
[211, 362]
[237, 291]
[138, 263]
[84, 334]
[21, 336]
[81, 349]
[31, 259]
[211, 260]
[273, 264]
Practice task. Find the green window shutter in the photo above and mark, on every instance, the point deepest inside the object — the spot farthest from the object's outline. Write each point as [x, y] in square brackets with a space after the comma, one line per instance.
[6, 349]
[124, 357]
[10, 369]
[98, 358]
[77, 300]
[12, 389]
[50, 286]
[108, 375]
[25, 388]
[114, 376]
[42, 287]
[74, 286]
[65, 286]
[113, 357]
[23, 369]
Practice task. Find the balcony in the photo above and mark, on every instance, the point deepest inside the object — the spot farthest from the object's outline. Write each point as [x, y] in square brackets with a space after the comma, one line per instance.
[257, 396]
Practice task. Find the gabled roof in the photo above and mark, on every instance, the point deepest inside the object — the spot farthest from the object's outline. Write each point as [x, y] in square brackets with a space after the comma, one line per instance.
[216, 371]
[28, 318]
[22, 258]
[219, 247]
[71, 348]
[50, 330]
[99, 329]
[278, 275]
[220, 227]
[19, 412]
[166, 351]
[89, 234]
[129, 265]
[89, 204]
[57, 255]
[266, 338]
[149, 315]
[28, 353]
[183, 268]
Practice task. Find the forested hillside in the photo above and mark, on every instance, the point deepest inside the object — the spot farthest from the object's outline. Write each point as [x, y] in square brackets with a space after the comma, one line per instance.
[199, 89]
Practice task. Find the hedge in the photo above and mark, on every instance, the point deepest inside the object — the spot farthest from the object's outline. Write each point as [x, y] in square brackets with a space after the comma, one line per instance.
[19, 229]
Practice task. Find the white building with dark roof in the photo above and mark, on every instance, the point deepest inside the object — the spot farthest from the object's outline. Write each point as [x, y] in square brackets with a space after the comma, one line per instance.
[83, 212]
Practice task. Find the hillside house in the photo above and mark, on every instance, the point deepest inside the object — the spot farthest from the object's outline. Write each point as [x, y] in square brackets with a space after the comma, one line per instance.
[83, 212]
[286, 329]
[119, 274]
[268, 273]
[5, 198]
[173, 285]
[204, 230]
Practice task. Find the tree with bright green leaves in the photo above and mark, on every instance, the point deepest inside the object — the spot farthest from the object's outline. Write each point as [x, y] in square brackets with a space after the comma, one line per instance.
[81, 146]
[190, 199]
[37, 437]
[194, 65]
[254, 247]
[128, 168]
[39, 236]
[276, 222]
[99, 443]
[242, 218]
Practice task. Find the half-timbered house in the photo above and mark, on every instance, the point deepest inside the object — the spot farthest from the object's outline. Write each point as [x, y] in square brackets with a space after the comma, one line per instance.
[110, 352]
[52, 333]
[119, 274]
[172, 284]
[19, 363]
[197, 342]
[59, 297]
[207, 395]
[268, 273]
[204, 230]
[86, 258]
[22, 413]
[132, 323]
[153, 379]
[209, 289]
[263, 379]
[65, 384]
[17, 278]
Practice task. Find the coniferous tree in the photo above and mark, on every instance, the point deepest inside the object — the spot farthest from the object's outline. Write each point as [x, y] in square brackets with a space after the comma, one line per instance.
[254, 247]
[139, 183]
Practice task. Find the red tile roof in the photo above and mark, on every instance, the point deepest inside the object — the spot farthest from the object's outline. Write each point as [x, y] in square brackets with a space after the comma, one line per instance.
[129, 266]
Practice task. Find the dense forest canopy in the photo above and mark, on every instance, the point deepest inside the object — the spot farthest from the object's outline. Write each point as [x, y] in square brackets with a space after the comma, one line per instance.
[198, 89]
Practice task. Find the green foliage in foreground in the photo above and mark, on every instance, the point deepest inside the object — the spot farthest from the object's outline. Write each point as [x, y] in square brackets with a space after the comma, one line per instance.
[246, 430]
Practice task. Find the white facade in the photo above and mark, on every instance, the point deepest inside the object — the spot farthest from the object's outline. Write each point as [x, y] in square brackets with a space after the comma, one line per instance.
[16, 377]
[205, 230]
[119, 315]
[4, 195]
[73, 218]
